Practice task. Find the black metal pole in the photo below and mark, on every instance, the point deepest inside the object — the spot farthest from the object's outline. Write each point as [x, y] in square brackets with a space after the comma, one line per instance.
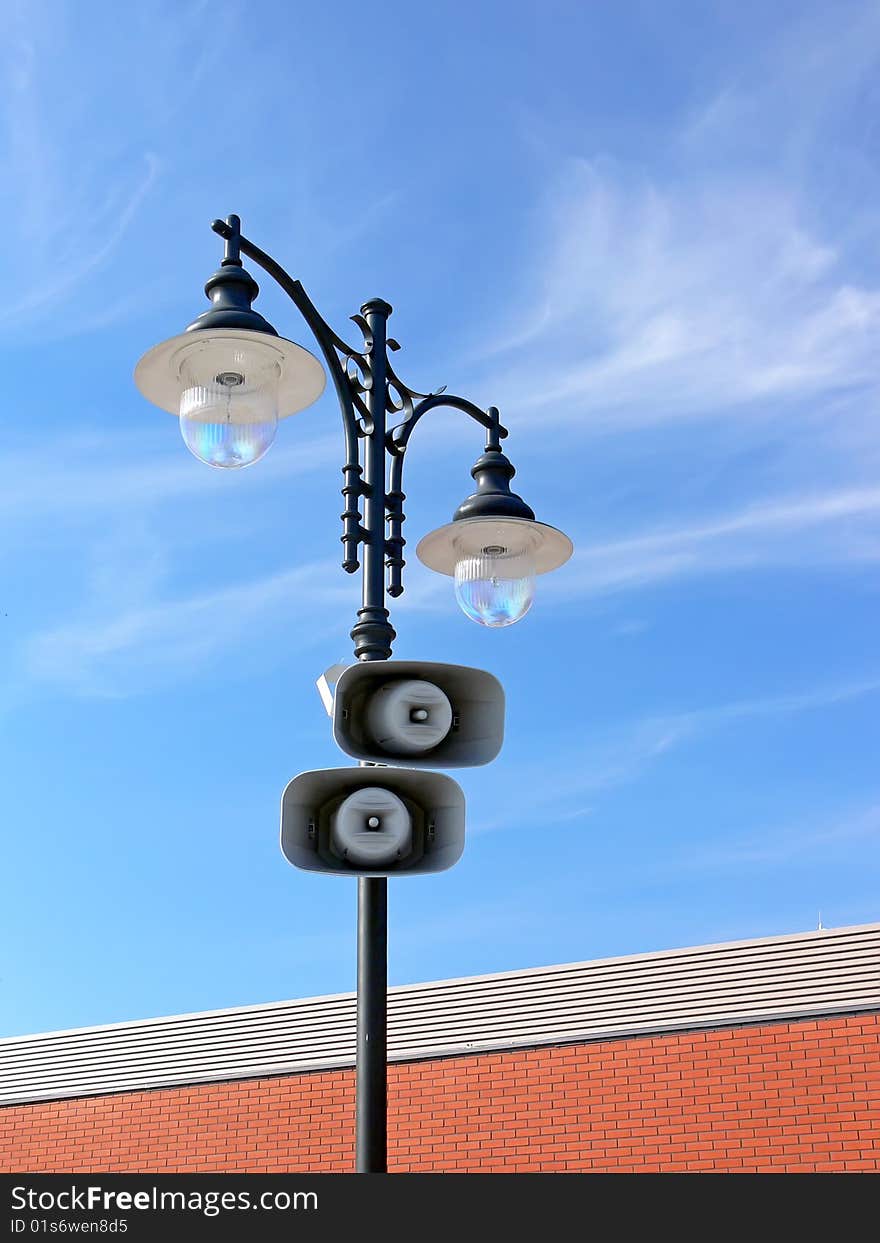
[373, 636]
[371, 1136]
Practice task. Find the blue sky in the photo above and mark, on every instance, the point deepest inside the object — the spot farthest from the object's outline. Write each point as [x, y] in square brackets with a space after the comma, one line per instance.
[649, 233]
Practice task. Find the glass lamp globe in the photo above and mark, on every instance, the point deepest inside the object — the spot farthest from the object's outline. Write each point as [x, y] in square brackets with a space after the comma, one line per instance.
[229, 399]
[229, 387]
[494, 562]
[495, 585]
[494, 548]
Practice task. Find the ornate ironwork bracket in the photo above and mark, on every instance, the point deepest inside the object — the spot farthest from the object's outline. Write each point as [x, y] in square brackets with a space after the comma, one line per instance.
[352, 371]
[396, 441]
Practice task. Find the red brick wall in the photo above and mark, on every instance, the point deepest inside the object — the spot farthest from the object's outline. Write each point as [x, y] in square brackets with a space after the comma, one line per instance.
[785, 1096]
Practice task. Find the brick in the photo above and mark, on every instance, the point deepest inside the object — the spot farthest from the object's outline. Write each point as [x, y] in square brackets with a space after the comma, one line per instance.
[800, 1096]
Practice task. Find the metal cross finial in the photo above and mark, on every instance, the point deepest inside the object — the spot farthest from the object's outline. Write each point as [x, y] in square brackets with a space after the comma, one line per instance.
[230, 230]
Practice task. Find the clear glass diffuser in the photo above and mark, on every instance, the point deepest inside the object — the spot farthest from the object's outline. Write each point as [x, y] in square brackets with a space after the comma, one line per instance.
[495, 586]
[229, 400]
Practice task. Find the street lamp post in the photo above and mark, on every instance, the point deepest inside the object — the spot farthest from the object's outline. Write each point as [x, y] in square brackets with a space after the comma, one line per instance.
[229, 378]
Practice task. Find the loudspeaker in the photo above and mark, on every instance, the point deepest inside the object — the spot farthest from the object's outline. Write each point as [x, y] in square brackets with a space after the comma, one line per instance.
[372, 821]
[418, 714]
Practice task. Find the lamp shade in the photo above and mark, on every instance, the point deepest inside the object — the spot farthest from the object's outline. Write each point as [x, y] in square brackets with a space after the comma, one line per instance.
[495, 524]
[494, 547]
[165, 372]
[545, 546]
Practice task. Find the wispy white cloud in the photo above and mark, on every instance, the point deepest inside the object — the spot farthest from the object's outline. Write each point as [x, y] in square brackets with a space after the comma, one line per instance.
[62, 220]
[775, 845]
[821, 531]
[119, 641]
[64, 272]
[843, 529]
[702, 720]
[131, 650]
[90, 473]
[788, 104]
[625, 752]
[717, 275]
[120, 517]
[670, 302]
[73, 186]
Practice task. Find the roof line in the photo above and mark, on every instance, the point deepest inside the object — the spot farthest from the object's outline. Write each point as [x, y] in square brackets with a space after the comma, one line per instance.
[322, 999]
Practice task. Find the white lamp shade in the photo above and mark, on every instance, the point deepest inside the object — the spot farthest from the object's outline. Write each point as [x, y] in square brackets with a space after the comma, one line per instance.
[161, 373]
[442, 549]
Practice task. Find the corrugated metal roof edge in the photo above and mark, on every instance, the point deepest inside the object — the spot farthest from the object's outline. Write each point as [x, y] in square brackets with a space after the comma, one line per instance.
[649, 955]
[446, 1052]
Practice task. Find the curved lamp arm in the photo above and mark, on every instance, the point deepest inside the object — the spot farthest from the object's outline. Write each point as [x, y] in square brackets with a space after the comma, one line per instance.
[396, 442]
[331, 345]
[347, 386]
[398, 437]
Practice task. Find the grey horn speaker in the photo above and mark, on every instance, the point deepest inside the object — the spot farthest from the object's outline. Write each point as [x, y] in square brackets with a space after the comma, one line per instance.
[372, 821]
[418, 714]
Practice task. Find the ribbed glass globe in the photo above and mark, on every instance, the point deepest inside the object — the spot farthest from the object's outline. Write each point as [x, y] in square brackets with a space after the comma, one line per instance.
[495, 586]
[229, 400]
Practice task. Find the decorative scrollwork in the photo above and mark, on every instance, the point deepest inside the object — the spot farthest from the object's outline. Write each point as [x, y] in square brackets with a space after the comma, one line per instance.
[401, 398]
[398, 400]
